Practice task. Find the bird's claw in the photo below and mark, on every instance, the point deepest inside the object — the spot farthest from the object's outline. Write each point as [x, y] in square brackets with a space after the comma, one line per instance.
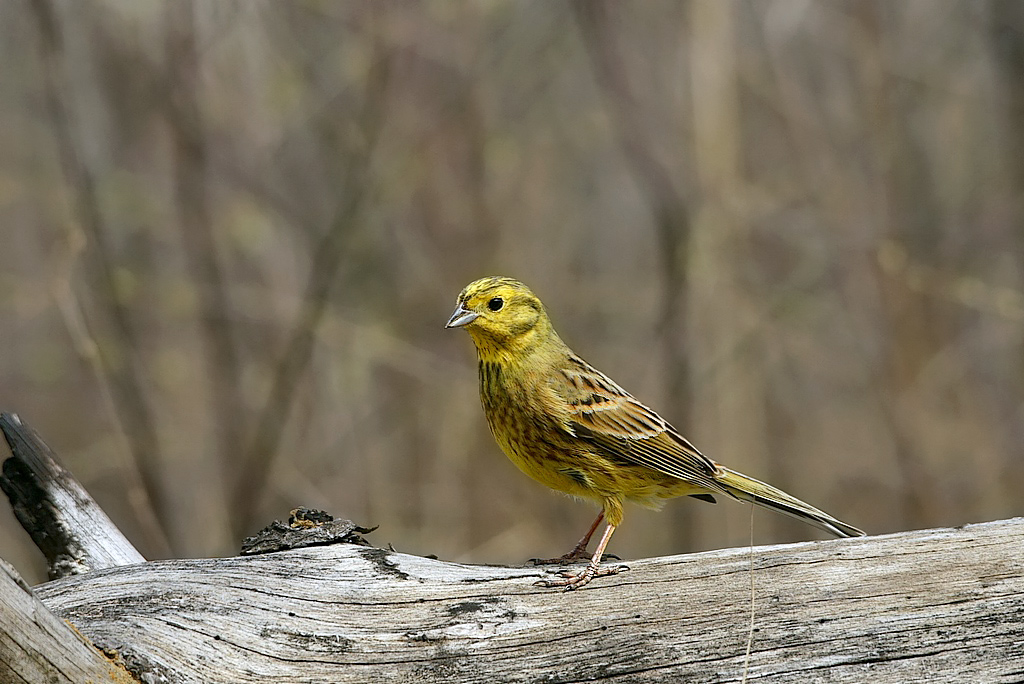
[574, 580]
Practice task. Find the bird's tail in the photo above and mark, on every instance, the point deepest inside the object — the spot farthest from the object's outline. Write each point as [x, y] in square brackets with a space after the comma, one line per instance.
[746, 488]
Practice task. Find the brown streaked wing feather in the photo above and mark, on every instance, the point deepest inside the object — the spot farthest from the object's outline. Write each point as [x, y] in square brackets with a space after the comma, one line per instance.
[611, 419]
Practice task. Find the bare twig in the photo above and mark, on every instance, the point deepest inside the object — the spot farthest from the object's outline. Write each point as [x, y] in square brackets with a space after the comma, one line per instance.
[135, 416]
[227, 404]
[327, 256]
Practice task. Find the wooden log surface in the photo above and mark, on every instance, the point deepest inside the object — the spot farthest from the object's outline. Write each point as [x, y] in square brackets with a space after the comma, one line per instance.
[929, 606]
[941, 605]
[37, 646]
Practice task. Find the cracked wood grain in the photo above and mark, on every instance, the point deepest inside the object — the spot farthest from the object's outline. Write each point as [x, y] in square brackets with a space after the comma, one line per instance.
[37, 646]
[925, 606]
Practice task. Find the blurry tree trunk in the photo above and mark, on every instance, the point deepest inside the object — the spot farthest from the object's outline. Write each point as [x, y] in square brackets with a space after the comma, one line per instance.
[1008, 47]
[915, 325]
[116, 359]
[734, 391]
[226, 400]
[326, 258]
[667, 198]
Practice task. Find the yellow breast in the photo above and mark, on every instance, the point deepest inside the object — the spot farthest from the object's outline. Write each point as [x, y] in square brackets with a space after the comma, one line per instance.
[530, 436]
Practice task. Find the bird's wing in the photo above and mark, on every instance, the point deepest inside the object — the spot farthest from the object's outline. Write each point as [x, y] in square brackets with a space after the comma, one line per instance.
[611, 419]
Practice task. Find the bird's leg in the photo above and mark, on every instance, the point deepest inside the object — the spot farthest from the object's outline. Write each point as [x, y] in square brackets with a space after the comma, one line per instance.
[578, 552]
[575, 580]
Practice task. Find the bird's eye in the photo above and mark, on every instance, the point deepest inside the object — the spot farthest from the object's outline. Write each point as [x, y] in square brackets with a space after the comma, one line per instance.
[495, 304]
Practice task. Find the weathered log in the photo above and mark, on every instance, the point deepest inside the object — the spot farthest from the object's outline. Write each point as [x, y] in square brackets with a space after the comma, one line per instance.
[927, 606]
[65, 522]
[930, 606]
[37, 646]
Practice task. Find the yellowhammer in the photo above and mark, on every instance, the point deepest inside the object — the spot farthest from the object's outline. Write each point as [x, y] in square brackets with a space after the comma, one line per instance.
[568, 426]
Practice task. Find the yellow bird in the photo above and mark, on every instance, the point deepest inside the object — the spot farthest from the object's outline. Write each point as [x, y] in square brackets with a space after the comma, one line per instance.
[570, 427]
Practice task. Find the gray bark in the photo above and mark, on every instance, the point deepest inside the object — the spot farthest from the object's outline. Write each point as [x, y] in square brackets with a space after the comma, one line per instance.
[928, 606]
[37, 646]
[66, 524]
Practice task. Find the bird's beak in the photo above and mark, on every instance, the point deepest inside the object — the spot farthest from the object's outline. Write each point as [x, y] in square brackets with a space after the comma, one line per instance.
[461, 317]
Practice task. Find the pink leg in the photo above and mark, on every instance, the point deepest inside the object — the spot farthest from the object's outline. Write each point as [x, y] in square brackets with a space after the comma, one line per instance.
[575, 580]
[578, 552]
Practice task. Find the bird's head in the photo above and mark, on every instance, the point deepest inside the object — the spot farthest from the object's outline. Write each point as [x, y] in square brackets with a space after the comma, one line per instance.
[502, 315]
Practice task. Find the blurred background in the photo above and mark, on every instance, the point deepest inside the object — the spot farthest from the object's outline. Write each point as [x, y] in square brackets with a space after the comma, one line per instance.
[231, 232]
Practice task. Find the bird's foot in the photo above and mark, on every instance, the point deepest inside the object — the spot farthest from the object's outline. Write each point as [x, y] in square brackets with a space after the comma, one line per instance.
[574, 580]
[578, 554]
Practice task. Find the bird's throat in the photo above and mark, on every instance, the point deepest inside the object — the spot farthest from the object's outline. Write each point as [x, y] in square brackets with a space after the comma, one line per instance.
[509, 350]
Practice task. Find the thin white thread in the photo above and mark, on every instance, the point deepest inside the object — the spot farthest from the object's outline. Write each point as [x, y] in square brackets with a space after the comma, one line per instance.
[750, 634]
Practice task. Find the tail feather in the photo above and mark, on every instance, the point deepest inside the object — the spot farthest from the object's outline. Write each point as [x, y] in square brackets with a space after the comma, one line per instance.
[745, 488]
